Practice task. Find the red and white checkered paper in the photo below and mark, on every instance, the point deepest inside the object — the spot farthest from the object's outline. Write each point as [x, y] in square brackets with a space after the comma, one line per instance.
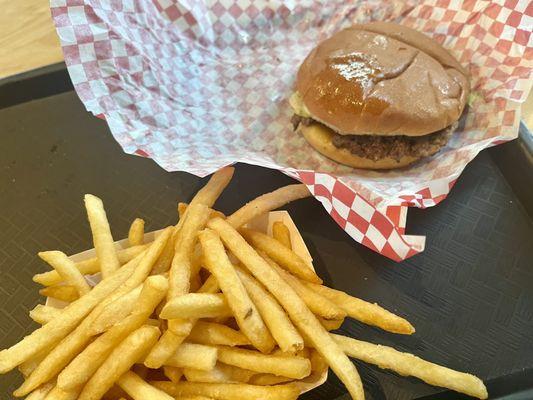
[199, 84]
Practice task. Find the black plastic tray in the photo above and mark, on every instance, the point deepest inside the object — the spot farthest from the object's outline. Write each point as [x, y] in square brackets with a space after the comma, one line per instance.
[469, 295]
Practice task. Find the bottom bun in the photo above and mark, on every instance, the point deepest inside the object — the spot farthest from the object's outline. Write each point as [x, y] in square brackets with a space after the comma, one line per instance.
[321, 137]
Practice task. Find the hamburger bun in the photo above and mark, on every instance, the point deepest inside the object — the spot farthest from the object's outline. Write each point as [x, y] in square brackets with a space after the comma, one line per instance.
[378, 79]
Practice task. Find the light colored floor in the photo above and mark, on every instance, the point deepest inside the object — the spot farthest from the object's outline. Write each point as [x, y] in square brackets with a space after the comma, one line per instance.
[28, 40]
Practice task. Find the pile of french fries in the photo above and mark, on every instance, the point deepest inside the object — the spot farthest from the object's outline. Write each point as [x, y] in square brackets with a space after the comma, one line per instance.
[209, 309]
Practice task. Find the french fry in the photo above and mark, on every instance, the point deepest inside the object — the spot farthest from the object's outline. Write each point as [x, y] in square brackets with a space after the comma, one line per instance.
[181, 209]
[89, 266]
[119, 362]
[210, 333]
[59, 394]
[267, 202]
[407, 364]
[162, 265]
[66, 268]
[228, 391]
[170, 341]
[301, 316]
[102, 238]
[331, 324]
[281, 254]
[363, 311]
[221, 373]
[173, 373]
[281, 233]
[134, 273]
[279, 324]
[190, 355]
[318, 304]
[212, 190]
[148, 260]
[41, 392]
[179, 278]
[136, 232]
[115, 311]
[214, 213]
[138, 389]
[80, 370]
[163, 349]
[66, 293]
[242, 307]
[51, 333]
[180, 269]
[196, 305]
[43, 314]
[291, 367]
[28, 366]
[319, 369]
[210, 286]
[268, 380]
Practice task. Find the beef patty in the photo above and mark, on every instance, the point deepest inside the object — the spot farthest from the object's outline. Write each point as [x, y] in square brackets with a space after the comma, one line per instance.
[378, 147]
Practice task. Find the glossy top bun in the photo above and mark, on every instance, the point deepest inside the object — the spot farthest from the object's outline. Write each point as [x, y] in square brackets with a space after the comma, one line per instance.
[382, 79]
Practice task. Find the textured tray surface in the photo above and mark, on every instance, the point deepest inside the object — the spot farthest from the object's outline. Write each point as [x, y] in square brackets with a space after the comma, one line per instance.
[469, 295]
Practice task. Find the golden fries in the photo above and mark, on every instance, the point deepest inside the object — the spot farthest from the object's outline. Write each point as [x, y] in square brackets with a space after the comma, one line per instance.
[281, 254]
[138, 389]
[214, 187]
[199, 305]
[102, 238]
[279, 324]
[289, 366]
[267, 202]
[115, 311]
[221, 373]
[119, 361]
[41, 392]
[87, 362]
[66, 268]
[136, 232]
[89, 266]
[59, 394]
[268, 380]
[407, 364]
[295, 307]
[331, 324]
[66, 293]
[163, 349]
[368, 313]
[43, 314]
[173, 373]
[28, 366]
[197, 356]
[58, 328]
[281, 233]
[211, 333]
[318, 304]
[244, 310]
[145, 322]
[228, 391]
[180, 269]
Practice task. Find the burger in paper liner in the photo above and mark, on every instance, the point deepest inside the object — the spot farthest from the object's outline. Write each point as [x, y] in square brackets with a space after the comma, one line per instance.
[262, 223]
[379, 96]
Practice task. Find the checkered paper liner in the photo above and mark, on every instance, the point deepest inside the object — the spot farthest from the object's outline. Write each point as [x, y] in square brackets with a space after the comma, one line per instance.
[197, 85]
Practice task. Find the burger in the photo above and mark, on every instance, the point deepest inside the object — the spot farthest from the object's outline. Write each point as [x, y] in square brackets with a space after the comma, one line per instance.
[379, 96]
